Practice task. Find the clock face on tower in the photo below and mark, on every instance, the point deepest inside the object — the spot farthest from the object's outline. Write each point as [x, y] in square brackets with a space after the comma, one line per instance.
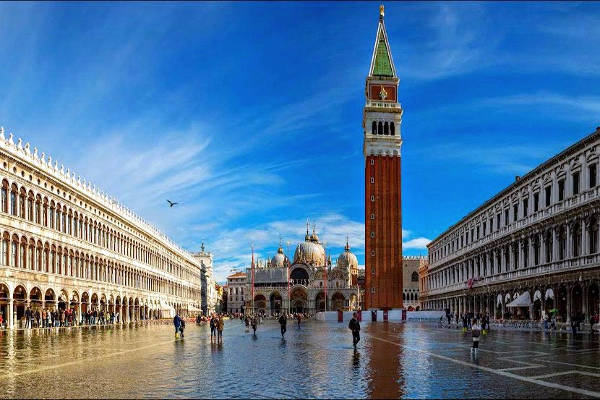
[382, 92]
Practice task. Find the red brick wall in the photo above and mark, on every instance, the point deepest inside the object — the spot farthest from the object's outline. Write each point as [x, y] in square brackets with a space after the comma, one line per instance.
[387, 226]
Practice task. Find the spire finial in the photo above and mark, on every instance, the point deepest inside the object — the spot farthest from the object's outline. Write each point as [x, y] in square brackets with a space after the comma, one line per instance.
[307, 236]
[381, 11]
[347, 248]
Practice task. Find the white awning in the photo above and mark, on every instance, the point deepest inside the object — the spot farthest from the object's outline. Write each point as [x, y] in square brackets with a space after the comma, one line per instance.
[499, 299]
[165, 307]
[549, 294]
[524, 300]
[537, 295]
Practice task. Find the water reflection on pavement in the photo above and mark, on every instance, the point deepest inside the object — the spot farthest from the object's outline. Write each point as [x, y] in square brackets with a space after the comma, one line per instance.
[317, 360]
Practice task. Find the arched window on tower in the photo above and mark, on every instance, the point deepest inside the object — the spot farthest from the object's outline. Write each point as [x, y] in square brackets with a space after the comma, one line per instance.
[392, 129]
[374, 128]
[380, 128]
[386, 128]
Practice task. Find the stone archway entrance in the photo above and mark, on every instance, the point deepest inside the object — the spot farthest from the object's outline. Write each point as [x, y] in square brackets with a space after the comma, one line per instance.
[299, 300]
[320, 302]
[260, 304]
[19, 301]
[275, 302]
[338, 301]
[4, 303]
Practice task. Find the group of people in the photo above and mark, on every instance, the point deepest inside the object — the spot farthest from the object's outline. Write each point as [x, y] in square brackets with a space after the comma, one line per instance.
[216, 327]
[46, 318]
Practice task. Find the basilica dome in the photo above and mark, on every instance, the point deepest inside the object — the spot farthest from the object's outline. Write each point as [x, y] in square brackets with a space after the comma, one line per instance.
[279, 259]
[310, 252]
[347, 260]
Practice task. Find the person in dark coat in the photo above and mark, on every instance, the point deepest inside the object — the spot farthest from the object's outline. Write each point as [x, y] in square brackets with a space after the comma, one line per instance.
[283, 324]
[354, 326]
[176, 323]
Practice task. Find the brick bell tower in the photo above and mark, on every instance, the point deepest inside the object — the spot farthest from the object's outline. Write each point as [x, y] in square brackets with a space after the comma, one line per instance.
[382, 117]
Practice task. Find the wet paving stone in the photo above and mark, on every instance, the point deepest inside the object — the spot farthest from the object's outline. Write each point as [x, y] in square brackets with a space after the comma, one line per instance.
[411, 360]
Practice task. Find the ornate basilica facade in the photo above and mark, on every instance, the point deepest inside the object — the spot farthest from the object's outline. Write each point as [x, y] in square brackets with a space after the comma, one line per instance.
[307, 284]
[534, 246]
[66, 244]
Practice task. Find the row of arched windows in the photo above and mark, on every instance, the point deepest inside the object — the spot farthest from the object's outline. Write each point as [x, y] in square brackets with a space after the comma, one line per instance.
[410, 296]
[44, 211]
[31, 254]
[383, 128]
[559, 243]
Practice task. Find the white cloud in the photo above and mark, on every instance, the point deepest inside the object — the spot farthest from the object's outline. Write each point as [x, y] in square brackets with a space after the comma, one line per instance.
[578, 107]
[416, 243]
[511, 159]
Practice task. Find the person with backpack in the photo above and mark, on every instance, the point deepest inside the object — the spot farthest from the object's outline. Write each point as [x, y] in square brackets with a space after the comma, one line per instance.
[354, 326]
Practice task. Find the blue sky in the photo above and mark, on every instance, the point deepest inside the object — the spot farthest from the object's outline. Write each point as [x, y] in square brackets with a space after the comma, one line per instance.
[250, 114]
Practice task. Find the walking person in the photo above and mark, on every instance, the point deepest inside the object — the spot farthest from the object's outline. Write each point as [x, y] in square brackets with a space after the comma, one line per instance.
[28, 318]
[213, 327]
[177, 324]
[254, 322]
[220, 325]
[283, 324]
[475, 332]
[182, 326]
[299, 318]
[354, 326]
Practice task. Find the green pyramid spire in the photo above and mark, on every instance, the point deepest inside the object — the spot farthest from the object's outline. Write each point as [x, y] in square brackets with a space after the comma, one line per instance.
[382, 65]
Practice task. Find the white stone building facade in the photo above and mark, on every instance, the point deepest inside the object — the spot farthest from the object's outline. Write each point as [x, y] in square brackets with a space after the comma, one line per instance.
[236, 284]
[536, 240]
[66, 244]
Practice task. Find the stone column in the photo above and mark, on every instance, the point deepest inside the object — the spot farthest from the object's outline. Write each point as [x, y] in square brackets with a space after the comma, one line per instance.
[543, 245]
[584, 301]
[554, 244]
[569, 293]
[531, 259]
[569, 241]
[584, 238]
[521, 244]
[503, 259]
[494, 306]
[11, 314]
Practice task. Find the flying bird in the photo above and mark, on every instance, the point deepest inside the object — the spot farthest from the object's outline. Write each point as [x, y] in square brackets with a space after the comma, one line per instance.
[171, 203]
